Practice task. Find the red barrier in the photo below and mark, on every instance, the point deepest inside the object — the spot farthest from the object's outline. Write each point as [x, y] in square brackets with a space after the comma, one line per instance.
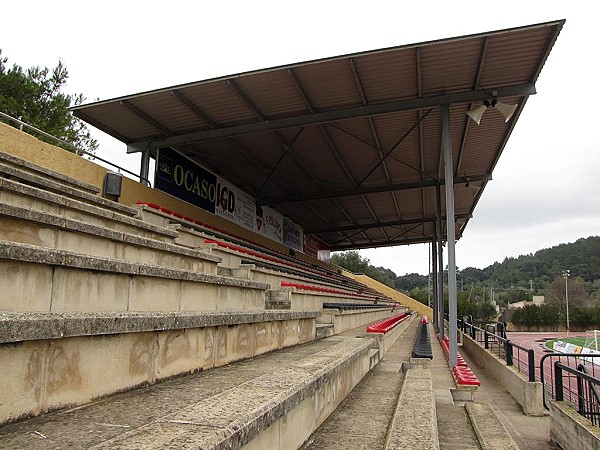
[385, 325]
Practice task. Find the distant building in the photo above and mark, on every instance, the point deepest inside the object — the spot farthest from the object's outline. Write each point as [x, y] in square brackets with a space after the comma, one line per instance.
[537, 300]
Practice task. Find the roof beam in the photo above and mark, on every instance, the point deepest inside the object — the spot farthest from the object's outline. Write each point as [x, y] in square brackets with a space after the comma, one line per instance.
[147, 118]
[391, 223]
[341, 114]
[291, 198]
[372, 244]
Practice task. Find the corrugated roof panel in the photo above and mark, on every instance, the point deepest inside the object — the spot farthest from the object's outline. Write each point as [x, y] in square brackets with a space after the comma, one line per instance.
[275, 96]
[169, 112]
[313, 149]
[239, 126]
[329, 85]
[431, 144]
[220, 102]
[513, 58]
[388, 75]
[357, 156]
[449, 67]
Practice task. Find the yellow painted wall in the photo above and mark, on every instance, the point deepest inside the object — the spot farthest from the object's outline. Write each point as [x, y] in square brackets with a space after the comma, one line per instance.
[25, 146]
[401, 298]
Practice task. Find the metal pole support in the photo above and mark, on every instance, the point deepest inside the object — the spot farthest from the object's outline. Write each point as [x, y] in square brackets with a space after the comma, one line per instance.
[531, 363]
[558, 382]
[509, 353]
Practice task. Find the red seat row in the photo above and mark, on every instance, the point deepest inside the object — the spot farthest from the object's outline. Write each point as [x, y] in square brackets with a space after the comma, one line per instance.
[385, 325]
[323, 272]
[306, 287]
[463, 374]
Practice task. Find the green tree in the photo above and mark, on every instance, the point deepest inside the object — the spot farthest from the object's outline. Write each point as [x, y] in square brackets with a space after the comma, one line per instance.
[578, 296]
[351, 261]
[34, 96]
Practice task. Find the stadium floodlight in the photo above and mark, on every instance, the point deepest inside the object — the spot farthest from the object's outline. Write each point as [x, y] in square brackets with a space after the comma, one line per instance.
[505, 109]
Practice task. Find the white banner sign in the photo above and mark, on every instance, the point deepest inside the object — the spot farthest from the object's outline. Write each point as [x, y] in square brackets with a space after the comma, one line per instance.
[269, 223]
[292, 235]
[235, 205]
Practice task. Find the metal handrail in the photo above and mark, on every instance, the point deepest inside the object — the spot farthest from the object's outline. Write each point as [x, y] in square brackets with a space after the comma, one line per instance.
[505, 348]
[582, 375]
[78, 151]
[561, 355]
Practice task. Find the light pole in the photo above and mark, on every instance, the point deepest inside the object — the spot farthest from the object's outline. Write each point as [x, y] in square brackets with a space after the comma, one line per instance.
[566, 274]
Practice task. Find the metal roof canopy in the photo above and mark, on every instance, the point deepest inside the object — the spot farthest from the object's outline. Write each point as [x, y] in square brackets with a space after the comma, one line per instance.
[350, 147]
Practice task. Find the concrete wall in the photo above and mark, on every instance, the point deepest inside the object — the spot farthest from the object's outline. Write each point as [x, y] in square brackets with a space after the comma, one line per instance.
[43, 375]
[528, 394]
[570, 430]
[291, 431]
[349, 320]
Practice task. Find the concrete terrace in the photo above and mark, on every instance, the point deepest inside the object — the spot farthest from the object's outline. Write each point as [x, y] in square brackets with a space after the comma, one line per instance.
[127, 326]
[223, 407]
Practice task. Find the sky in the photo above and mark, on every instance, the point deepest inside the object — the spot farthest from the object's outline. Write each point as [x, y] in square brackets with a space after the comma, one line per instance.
[545, 188]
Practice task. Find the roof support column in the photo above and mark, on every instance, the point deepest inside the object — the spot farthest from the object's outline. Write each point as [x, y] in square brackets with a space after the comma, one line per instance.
[440, 267]
[450, 231]
[145, 166]
[434, 272]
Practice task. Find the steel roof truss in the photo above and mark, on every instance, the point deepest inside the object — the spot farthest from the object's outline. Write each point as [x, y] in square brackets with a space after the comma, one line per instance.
[341, 114]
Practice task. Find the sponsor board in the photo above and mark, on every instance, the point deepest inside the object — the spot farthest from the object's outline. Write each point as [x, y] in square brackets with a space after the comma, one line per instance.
[180, 177]
[235, 205]
[184, 179]
[269, 223]
[292, 235]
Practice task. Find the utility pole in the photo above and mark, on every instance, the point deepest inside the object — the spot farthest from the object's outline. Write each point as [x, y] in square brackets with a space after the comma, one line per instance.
[566, 274]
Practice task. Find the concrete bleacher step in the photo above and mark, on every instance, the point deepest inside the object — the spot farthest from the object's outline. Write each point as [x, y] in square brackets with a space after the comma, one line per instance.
[272, 401]
[58, 186]
[324, 330]
[30, 226]
[489, 430]
[18, 194]
[45, 279]
[35, 169]
[363, 420]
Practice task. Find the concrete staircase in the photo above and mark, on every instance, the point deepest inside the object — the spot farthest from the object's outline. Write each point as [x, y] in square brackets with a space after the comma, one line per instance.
[121, 329]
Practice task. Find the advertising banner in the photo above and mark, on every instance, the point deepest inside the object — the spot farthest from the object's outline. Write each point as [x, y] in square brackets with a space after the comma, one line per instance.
[235, 205]
[180, 177]
[184, 179]
[313, 246]
[269, 223]
[292, 235]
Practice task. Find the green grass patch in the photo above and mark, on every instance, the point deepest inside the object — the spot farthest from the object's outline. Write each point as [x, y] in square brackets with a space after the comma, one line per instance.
[580, 341]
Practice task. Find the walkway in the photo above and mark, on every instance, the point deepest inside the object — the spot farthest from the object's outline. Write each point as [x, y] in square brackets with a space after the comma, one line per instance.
[362, 420]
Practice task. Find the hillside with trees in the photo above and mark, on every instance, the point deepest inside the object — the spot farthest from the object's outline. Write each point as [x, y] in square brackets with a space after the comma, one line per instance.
[510, 281]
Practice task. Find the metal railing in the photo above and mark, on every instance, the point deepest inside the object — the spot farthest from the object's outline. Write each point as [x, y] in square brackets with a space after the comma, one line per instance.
[514, 354]
[580, 384]
[23, 126]
[577, 386]
[572, 360]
